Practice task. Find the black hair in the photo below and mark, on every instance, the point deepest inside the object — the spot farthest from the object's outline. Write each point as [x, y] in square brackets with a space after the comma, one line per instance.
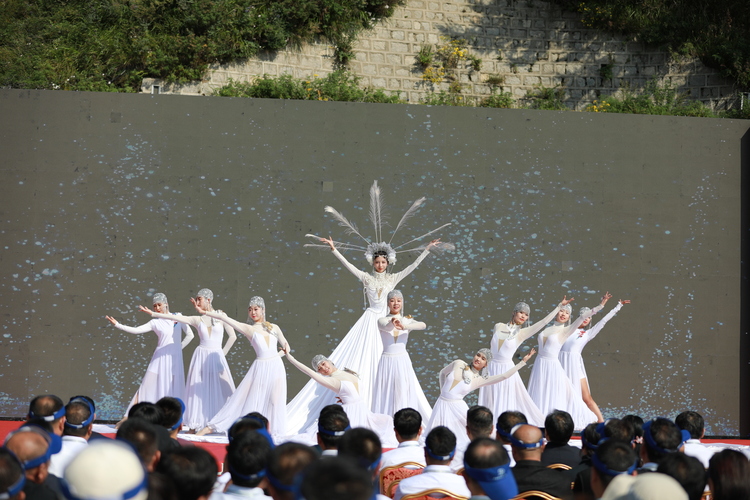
[192, 469]
[441, 441]
[147, 411]
[615, 455]
[619, 430]
[247, 457]
[407, 422]
[667, 436]
[286, 463]
[687, 470]
[479, 421]
[76, 412]
[332, 420]
[509, 419]
[336, 478]
[171, 410]
[142, 436]
[484, 453]
[729, 471]
[692, 422]
[45, 405]
[259, 416]
[590, 437]
[637, 423]
[87, 398]
[11, 470]
[245, 424]
[559, 427]
[362, 446]
[161, 487]
[381, 253]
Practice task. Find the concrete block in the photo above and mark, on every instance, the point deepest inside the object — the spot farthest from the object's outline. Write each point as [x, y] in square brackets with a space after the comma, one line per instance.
[403, 72]
[378, 82]
[398, 35]
[395, 59]
[394, 83]
[385, 70]
[399, 47]
[380, 45]
[697, 80]
[532, 80]
[512, 80]
[377, 57]
[369, 69]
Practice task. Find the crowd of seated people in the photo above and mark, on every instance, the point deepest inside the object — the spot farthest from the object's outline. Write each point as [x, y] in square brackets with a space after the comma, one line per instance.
[56, 455]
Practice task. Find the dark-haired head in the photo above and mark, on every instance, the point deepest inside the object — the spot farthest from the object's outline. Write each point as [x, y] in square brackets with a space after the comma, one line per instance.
[687, 470]
[479, 422]
[729, 475]
[171, 412]
[406, 423]
[336, 479]
[147, 411]
[247, 458]
[692, 422]
[142, 436]
[440, 445]
[192, 469]
[506, 421]
[362, 446]
[331, 426]
[559, 427]
[285, 467]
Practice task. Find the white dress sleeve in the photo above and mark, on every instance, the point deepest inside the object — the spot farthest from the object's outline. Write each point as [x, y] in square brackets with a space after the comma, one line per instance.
[481, 382]
[574, 326]
[410, 269]
[411, 324]
[327, 382]
[598, 327]
[525, 333]
[361, 275]
[188, 335]
[138, 330]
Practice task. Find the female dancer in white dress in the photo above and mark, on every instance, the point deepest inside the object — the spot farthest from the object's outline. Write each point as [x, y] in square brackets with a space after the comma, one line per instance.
[511, 394]
[549, 386]
[165, 375]
[396, 385]
[345, 384]
[361, 348]
[456, 381]
[264, 387]
[209, 381]
[572, 361]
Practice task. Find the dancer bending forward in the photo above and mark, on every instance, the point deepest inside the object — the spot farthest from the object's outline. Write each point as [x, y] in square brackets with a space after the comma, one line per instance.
[549, 386]
[361, 348]
[396, 385]
[572, 361]
[346, 384]
[209, 381]
[456, 381]
[264, 387]
[511, 395]
[165, 375]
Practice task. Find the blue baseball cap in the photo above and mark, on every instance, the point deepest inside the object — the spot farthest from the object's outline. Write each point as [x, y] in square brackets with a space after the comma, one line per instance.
[497, 482]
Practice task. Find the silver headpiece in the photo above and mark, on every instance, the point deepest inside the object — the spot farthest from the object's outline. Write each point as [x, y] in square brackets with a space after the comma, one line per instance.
[257, 301]
[584, 310]
[395, 293]
[522, 307]
[567, 307]
[205, 293]
[374, 248]
[160, 298]
[487, 353]
[317, 360]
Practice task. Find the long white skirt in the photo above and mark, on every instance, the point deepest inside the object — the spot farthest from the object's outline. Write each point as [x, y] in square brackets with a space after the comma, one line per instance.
[451, 413]
[550, 389]
[263, 390]
[574, 369]
[209, 385]
[360, 351]
[163, 377]
[509, 395]
[396, 385]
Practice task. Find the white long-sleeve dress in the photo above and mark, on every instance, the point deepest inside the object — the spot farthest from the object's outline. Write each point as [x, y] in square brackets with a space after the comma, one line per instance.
[570, 355]
[264, 387]
[396, 384]
[549, 386]
[165, 375]
[511, 395]
[450, 408]
[359, 350]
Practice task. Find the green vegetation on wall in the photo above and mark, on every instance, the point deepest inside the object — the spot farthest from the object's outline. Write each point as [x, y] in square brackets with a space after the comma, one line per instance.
[110, 45]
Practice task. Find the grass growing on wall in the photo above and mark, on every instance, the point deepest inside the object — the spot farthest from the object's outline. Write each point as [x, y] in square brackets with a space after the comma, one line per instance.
[111, 45]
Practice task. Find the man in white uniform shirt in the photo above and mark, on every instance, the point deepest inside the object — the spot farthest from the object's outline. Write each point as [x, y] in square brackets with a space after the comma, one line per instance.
[693, 423]
[407, 424]
[439, 449]
[79, 419]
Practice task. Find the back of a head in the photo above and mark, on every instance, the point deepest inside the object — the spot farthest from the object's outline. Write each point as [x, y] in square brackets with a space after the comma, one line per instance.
[613, 458]
[287, 462]
[440, 444]
[660, 437]
[692, 422]
[619, 430]
[31, 445]
[407, 422]
[12, 477]
[729, 475]
[483, 453]
[687, 470]
[636, 423]
[479, 421]
[331, 426]
[487, 466]
[336, 479]
[244, 424]
[78, 418]
[590, 438]
[192, 469]
[559, 426]
[147, 411]
[247, 458]
[506, 421]
[106, 469]
[361, 446]
[171, 410]
[47, 406]
[141, 435]
[527, 442]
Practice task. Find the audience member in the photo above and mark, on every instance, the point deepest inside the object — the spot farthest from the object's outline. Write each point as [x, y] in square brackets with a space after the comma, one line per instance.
[12, 477]
[155, 416]
[478, 424]
[729, 475]
[79, 423]
[487, 471]
[192, 469]
[141, 435]
[439, 449]
[34, 446]
[407, 424]
[636, 423]
[105, 470]
[161, 487]
[527, 444]
[332, 424]
[285, 467]
[172, 410]
[247, 459]
[611, 459]
[693, 423]
[686, 470]
[505, 422]
[660, 437]
[49, 408]
[582, 472]
[362, 447]
[336, 478]
[558, 429]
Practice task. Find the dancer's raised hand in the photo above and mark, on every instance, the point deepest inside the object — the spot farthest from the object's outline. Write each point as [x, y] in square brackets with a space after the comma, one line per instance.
[146, 310]
[329, 240]
[528, 356]
[565, 301]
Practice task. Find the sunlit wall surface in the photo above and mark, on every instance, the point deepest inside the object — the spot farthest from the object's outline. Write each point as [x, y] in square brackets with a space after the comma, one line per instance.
[109, 198]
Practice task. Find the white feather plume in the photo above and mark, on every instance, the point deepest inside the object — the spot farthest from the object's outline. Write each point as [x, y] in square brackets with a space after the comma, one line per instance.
[408, 215]
[375, 210]
[425, 234]
[350, 227]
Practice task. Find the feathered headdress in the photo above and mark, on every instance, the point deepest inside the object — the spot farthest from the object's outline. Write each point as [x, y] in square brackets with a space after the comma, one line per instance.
[378, 244]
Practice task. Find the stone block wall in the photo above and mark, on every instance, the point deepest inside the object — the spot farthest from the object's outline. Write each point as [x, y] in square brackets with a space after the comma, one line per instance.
[524, 44]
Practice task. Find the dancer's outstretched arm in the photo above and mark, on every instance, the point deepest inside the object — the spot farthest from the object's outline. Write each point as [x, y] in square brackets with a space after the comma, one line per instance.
[577, 323]
[361, 275]
[331, 383]
[137, 330]
[481, 382]
[231, 337]
[193, 321]
[525, 333]
[244, 328]
[594, 331]
[410, 269]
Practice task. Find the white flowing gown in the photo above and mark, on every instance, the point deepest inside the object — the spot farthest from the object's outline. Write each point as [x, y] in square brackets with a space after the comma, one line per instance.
[359, 350]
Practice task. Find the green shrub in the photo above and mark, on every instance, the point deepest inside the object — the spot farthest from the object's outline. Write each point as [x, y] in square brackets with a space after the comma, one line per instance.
[656, 99]
[546, 98]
